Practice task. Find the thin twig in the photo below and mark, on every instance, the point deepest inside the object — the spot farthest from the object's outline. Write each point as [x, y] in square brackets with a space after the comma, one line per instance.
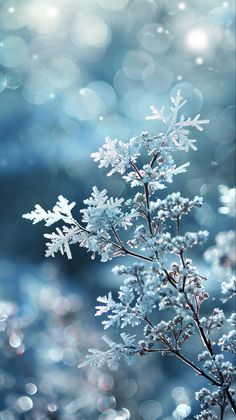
[196, 368]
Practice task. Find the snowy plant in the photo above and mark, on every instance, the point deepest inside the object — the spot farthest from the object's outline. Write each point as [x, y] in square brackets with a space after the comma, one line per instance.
[150, 229]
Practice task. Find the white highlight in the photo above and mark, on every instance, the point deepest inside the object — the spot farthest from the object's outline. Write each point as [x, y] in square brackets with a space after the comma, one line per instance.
[11, 9]
[197, 40]
[199, 61]
[52, 12]
[182, 6]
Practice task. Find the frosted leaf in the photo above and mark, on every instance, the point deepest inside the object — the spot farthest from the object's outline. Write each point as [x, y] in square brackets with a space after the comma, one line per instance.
[156, 114]
[37, 215]
[61, 211]
[113, 153]
[61, 240]
[108, 304]
[195, 122]
[129, 340]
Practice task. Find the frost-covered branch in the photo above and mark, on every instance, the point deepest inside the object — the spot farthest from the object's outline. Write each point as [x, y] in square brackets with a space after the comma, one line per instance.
[146, 163]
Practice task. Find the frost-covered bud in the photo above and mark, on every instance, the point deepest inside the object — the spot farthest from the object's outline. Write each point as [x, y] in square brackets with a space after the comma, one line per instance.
[206, 398]
[206, 415]
[174, 206]
[178, 319]
[219, 359]
[228, 372]
[213, 321]
[181, 243]
[145, 134]
[203, 356]
[143, 344]
[209, 365]
[228, 342]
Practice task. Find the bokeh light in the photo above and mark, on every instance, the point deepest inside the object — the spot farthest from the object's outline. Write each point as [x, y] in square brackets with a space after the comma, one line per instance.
[197, 40]
[113, 4]
[155, 38]
[13, 51]
[90, 31]
[150, 410]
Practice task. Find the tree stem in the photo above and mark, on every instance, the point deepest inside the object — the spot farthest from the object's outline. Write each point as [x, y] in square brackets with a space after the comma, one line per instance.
[147, 197]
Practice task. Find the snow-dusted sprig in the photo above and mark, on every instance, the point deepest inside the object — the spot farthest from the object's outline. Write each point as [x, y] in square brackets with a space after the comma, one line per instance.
[171, 335]
[146, 162]
[156, 177]
[121, 156]
[174, 206]
[209, 399]
[223, 396]
[228, 342]
[206, 415]
[100, 219]
[177, 124]
[213, 321]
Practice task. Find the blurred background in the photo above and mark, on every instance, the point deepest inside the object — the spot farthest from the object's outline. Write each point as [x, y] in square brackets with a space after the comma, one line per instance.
[71, 73]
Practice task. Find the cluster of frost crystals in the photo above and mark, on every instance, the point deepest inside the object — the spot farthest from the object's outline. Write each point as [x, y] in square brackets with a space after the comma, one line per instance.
[209, 399]
[174, 206]
[162, 301]
[228, 342]
[206, 415]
